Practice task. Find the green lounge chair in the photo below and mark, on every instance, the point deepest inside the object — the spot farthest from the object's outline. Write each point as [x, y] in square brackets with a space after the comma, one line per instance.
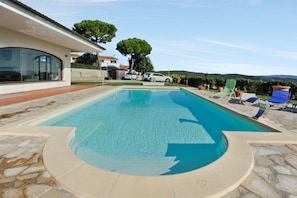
[228, 89]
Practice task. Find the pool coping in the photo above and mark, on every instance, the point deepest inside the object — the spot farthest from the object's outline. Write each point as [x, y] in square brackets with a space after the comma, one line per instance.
[214, 180]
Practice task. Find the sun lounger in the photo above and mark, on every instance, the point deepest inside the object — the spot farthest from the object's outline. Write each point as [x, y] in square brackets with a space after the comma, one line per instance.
[263, 109]
[252, 99]
[248, 97]
[280, 97]
[228, 89]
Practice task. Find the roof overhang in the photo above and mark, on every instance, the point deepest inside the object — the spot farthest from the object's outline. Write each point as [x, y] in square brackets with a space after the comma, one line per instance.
[20, 18]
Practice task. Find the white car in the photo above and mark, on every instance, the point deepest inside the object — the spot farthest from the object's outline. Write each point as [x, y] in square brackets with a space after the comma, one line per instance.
[156, 77]
[130, 76]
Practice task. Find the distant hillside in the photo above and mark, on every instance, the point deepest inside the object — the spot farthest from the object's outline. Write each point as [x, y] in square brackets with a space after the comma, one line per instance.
[235, 76]
[279, 77]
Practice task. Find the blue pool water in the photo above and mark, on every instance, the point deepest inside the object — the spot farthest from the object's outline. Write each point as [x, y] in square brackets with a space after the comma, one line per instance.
[151, 132]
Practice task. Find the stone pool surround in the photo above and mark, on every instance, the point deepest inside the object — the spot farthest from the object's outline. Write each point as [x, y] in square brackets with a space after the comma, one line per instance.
[214, 180]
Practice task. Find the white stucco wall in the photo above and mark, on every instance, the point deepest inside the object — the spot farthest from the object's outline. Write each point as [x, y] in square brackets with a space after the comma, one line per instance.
[87, 75]
[109, 63]
[14, 39]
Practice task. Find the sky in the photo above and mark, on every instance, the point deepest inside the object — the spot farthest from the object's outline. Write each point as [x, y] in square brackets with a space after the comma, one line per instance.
[250, 37]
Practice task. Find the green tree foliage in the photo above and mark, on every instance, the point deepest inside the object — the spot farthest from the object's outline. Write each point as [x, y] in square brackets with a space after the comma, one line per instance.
[83, 66]
[87, 58]
[260, 87]
[143, 65]
[136, 48]
[96, 31]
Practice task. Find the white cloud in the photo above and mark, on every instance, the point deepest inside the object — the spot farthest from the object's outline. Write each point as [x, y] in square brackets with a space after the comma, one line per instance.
[185, 3]
[189, 48]
[287, 54]
[271, 52]
[232, 45]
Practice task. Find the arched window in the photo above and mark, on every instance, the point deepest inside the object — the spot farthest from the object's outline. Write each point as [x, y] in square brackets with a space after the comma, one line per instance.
[24, 65]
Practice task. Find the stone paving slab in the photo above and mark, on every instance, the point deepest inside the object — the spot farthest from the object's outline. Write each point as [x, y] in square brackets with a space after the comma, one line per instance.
[22, 172]
[274, 174]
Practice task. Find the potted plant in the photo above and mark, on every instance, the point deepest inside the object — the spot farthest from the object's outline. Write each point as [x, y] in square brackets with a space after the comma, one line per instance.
[238, 92]
[200, 87]
[220, 89]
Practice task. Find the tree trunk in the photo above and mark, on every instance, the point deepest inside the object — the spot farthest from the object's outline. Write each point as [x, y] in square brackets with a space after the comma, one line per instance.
[98, 60]
[132, 60]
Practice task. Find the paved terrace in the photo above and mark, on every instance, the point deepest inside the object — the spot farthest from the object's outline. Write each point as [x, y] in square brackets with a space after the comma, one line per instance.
[23, 173]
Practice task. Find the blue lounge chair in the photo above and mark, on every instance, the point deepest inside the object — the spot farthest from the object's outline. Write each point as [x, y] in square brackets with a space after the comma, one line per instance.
[228, 89]
[248, 97]
[252, 99]
[280, 97]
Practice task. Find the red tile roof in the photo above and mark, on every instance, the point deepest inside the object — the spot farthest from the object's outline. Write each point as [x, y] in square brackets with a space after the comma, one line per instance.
[74, 55]
[124, 66]
[108, 57]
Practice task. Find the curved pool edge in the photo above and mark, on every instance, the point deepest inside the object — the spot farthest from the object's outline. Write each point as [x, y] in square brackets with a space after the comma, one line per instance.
[213, 180]
[82, 179]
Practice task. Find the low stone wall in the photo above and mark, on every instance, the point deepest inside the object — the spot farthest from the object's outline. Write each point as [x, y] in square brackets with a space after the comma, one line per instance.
[87, 75]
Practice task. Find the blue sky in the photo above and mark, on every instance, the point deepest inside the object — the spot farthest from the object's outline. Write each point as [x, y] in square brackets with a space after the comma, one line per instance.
[251, 37]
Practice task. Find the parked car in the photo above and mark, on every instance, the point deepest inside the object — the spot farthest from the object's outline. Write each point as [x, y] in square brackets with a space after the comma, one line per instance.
[130, 76]
[156, 77]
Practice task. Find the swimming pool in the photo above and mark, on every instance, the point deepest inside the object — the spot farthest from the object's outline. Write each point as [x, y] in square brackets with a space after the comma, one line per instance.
[151, 132]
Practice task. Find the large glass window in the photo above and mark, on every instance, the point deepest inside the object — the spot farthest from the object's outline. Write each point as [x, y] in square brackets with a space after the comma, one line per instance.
[23, 65]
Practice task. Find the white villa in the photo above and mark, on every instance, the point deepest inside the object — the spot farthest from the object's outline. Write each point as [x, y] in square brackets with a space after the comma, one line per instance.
[109, 61]
[35, 51]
